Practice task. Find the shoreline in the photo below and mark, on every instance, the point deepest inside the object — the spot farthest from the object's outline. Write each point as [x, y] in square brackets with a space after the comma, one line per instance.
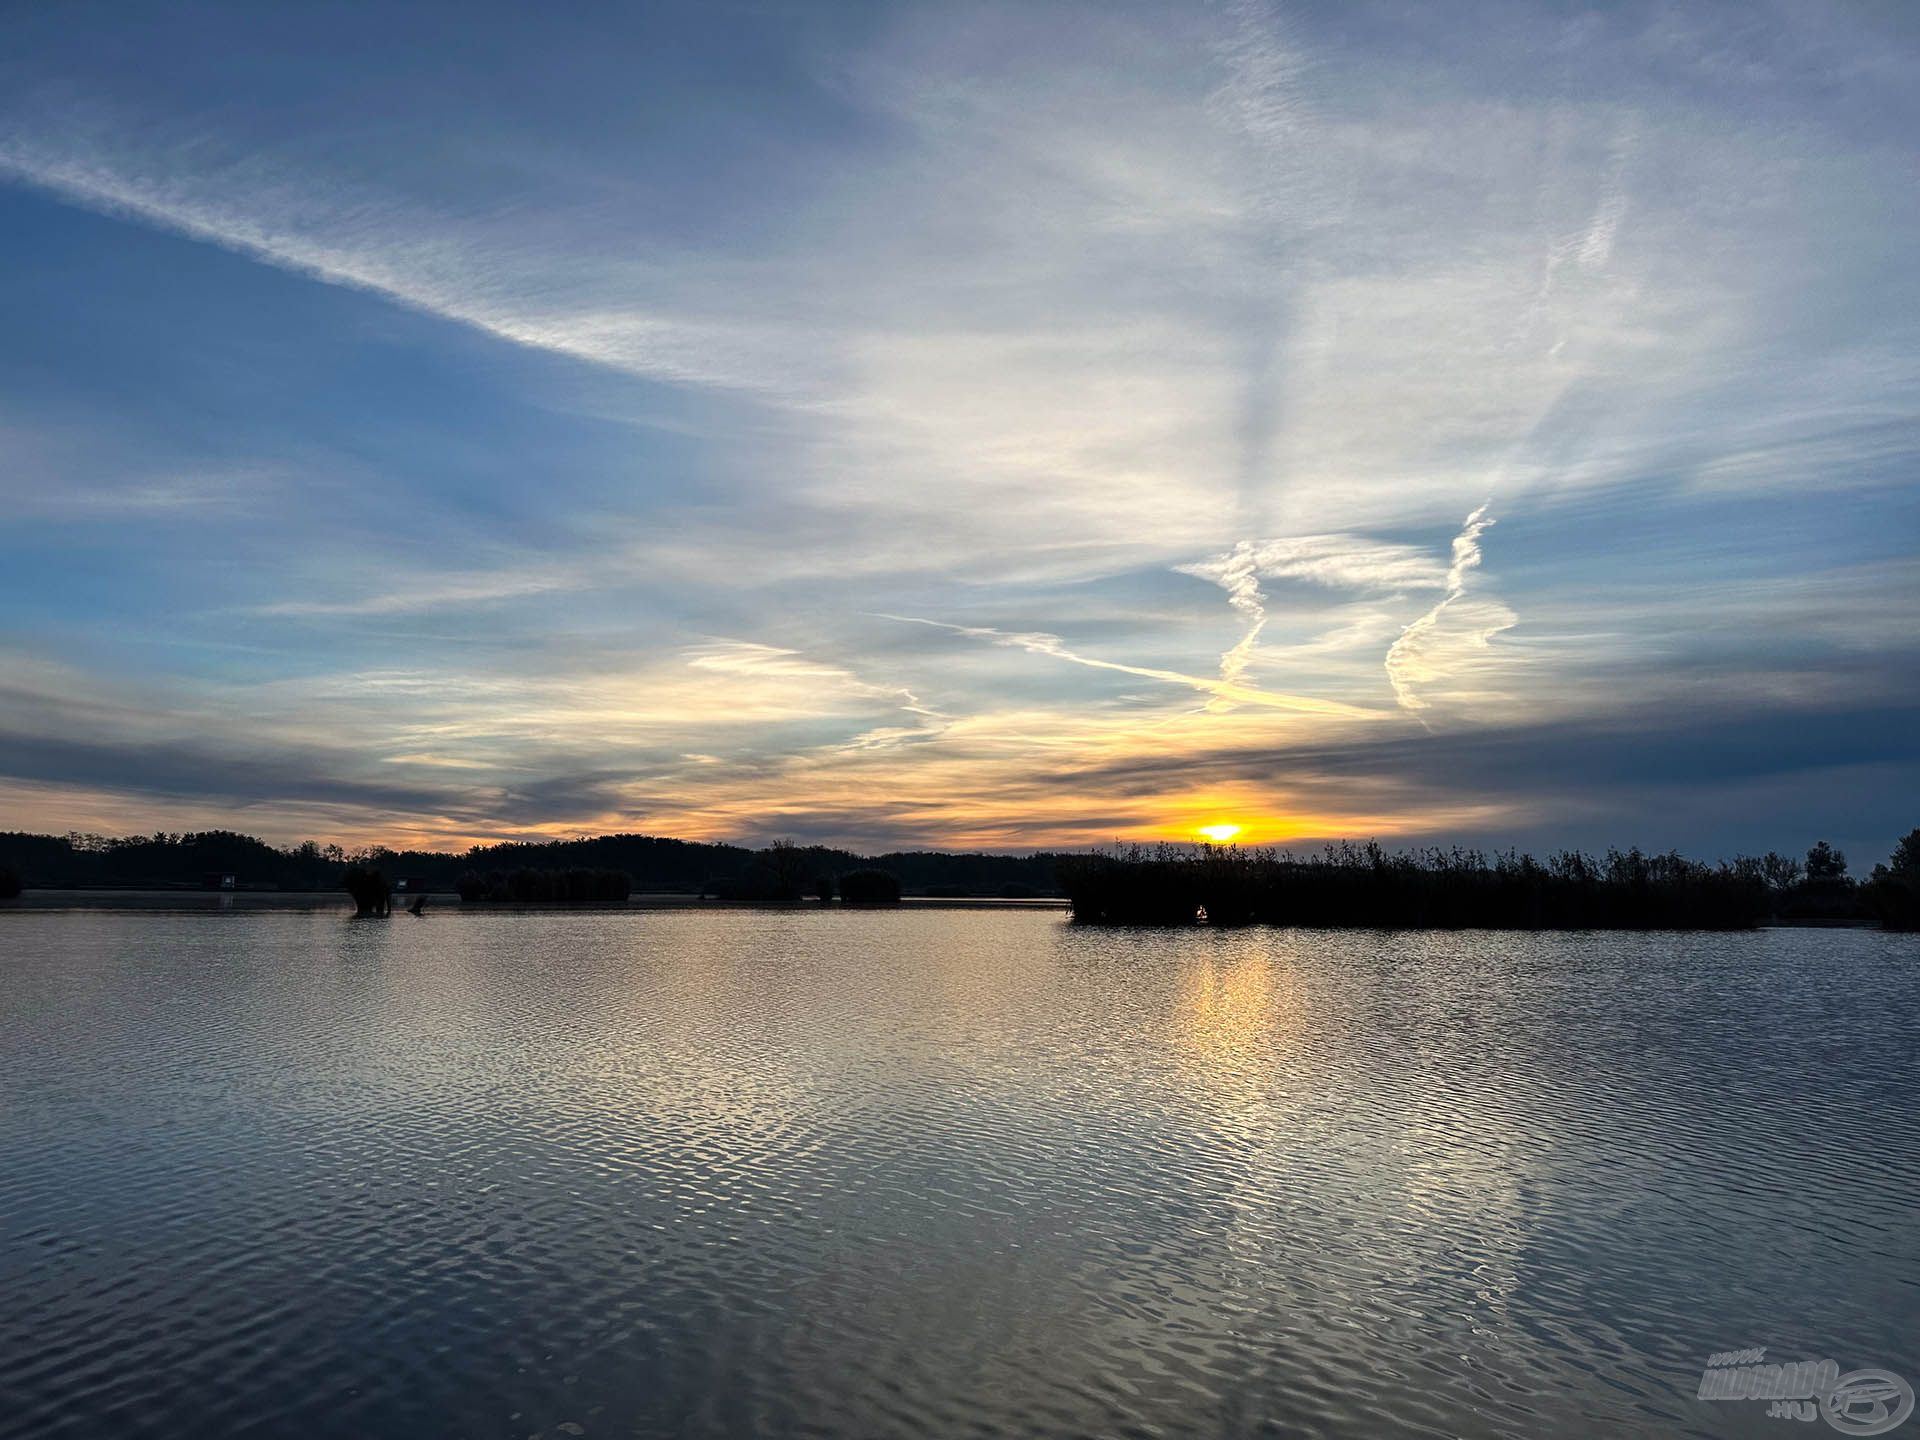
[196, 902]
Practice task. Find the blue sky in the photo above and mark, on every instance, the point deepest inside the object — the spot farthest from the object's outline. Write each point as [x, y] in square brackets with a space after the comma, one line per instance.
[999, 425]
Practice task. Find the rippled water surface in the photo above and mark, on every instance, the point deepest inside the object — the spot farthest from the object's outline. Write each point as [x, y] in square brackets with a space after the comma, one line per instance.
[937, 1173]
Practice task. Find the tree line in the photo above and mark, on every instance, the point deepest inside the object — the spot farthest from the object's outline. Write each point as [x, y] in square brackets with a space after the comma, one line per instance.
[1349, 885]
[1344, 885]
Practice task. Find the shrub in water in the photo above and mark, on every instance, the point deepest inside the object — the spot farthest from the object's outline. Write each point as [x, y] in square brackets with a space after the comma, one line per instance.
[369, 889]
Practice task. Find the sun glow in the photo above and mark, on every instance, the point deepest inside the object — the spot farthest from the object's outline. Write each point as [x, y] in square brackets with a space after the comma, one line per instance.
[1219, 834]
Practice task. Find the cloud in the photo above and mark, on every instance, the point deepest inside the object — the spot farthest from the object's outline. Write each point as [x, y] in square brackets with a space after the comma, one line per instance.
[1335, 561]
[747, 658]
[1596, 246]
[1013, 311]
[744, 657]
[1147, 331]
[342, 233]
[479, 588]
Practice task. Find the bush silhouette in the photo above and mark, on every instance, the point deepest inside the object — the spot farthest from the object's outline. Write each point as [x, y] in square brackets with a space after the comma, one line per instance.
[9, 883]
[870, 887]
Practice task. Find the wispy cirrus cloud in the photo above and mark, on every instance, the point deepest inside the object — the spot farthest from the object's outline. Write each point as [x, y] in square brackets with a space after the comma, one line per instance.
[344, 232]
[439, 593]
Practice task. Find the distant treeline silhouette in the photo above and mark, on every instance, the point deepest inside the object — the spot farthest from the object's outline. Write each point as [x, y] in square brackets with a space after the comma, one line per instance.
[870, 887]
[1345, 885]
[785, 873]
[1350, 885]
[190, 860]
[527, 886]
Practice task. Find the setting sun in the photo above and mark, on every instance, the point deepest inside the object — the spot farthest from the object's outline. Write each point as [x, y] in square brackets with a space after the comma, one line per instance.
[1219, 834]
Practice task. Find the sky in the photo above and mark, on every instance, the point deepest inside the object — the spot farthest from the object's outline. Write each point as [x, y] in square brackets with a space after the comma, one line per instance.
[962, 425]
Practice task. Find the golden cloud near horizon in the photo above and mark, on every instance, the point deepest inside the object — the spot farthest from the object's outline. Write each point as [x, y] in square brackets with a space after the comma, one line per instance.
[734, 743]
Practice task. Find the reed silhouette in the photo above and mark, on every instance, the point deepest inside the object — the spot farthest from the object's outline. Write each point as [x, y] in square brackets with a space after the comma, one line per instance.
[1351, 885]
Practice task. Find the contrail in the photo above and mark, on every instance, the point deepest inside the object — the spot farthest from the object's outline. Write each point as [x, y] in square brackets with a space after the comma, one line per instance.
[1403, 660]
[1337, 561]
[1239, 576]
[1038, 642]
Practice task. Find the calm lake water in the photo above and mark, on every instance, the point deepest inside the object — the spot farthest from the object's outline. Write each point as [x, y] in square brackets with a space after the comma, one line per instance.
[949, 1173]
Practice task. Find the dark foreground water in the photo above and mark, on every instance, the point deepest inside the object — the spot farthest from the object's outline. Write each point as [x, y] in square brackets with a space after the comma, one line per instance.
[938, 1173]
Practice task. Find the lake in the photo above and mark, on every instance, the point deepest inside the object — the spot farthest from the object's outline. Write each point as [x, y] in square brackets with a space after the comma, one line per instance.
[938, 1173]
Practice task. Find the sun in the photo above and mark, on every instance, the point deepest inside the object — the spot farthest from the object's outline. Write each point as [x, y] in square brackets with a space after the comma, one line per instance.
[1219, 834]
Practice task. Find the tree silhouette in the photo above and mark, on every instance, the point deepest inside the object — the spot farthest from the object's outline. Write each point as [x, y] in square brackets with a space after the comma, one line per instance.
[1893, 891]
[1780, 872]
[1825, 865]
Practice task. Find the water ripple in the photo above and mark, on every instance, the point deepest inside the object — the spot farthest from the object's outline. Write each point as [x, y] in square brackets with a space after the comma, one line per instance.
[957, 1174]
